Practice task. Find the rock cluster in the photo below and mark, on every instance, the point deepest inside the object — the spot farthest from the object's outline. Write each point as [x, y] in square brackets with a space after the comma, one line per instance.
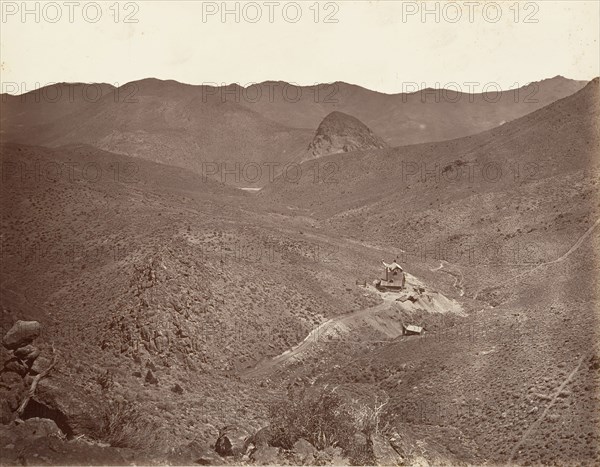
[41, 434]
[21, 364]
[21, 361]
[236, 444]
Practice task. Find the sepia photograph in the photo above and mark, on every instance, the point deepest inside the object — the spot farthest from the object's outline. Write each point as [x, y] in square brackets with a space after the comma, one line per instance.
[300, 233]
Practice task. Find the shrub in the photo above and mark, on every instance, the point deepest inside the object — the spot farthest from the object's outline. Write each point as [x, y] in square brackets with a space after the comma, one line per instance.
[106, 380]
[318, 415]
[123, 425]
[371, 418]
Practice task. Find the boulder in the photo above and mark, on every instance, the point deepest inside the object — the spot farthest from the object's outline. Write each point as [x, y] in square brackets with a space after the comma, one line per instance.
[400, 445]
[16, 366]
[11, 380]
[265, 455]
[21, 334]
[303, 452]
[13, 399]
[27, 354]
[261, 438]
[208, 457]
[37, 428]
[383, 452]
[150, 378]
[73, 410]
[12, 391]
[232, 441]
[40, 364]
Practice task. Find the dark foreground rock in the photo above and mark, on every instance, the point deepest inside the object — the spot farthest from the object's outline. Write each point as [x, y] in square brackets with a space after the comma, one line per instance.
[55, 399]
[232, 441]
[21, 334]
[27, 354]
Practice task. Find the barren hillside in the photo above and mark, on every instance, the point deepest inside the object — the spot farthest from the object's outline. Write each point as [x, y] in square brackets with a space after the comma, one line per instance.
[225, 131]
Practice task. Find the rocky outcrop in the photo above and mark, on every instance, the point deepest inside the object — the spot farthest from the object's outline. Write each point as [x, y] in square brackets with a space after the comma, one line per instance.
[340, 132]
[235, 441]
[18, 356]
[27, 392]
[74, 415]
[38, 414]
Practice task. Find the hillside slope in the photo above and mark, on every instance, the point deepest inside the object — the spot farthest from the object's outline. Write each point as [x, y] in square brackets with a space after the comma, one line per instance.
[473, 188]
[224, 131]
[516, 381]
[134, 267]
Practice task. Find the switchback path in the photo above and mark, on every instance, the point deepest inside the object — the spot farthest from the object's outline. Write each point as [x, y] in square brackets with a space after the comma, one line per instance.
[458, 281]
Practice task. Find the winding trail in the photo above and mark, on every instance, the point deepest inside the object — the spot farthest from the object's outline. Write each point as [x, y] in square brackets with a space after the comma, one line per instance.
[458, 281]
[571, 250]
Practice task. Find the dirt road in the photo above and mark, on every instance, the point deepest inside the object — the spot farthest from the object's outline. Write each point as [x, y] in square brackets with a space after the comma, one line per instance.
[313, 337]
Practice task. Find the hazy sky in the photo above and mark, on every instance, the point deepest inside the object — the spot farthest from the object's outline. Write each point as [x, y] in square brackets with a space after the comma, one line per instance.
[381, 45]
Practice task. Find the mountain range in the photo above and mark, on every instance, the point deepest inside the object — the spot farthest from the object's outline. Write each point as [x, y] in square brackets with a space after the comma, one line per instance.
[231, 128]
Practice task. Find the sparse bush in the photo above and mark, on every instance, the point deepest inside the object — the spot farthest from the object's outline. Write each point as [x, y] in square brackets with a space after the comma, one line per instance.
[369, 418]
[318, 415]
[106, 380]
[124, 425]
